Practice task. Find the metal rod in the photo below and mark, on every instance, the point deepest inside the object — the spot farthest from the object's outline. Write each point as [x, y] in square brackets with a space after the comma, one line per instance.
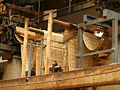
[30, 58]
[108, 15]
[41, 54]
[81, 48]
[97, 52]
[39, 9]
[96, 21]
[115, 40]
[39, 5]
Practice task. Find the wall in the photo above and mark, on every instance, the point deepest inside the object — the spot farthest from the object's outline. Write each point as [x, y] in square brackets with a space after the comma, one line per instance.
[12, 68]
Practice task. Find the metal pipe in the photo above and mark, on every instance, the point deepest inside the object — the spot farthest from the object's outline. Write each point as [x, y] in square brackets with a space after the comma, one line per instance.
[81, 48]
[115, 40]
[97, 52]
[39, 9]
[41, 54]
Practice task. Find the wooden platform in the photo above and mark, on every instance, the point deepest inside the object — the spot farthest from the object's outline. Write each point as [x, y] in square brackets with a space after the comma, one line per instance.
[97, 76]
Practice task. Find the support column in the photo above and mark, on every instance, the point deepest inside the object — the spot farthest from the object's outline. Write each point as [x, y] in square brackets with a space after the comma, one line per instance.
[25, 55]
[37, 60]
[71, 42]
[48, 48]
[115, 40]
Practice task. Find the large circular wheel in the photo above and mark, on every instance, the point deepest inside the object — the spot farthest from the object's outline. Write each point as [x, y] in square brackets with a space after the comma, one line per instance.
[91, 41]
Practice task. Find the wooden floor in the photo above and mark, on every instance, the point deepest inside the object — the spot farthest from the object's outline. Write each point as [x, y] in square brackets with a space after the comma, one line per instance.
[97, 76]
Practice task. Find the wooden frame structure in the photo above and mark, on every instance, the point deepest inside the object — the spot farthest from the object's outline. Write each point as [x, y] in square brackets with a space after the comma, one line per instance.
[94, 76]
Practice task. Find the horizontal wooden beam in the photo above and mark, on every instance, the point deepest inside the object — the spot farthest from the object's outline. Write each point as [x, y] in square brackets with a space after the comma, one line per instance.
[36, 35]
[96, 76]
[66, 24]
[9, 48]
[23, 9]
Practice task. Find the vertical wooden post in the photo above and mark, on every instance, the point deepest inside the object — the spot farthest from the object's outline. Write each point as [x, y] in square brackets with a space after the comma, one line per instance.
[65, 62]
[48, 48]
[72, 60]
[10, 12]
[30, 58]
[41, 55]
[38, 60]
[25, 57]
[72, 50]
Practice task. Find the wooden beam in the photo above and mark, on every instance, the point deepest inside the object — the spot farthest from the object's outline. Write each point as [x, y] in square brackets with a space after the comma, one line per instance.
[25, 44]
[48, 48]
[37, 60]
[37, 30]
[65, 24]
[31, 34]
[74, 26]
[65, 61]
[94, 76]
[23, 9]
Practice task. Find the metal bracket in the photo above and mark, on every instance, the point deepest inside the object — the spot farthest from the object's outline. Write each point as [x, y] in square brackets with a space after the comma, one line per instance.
[90, 18]
[107, 13]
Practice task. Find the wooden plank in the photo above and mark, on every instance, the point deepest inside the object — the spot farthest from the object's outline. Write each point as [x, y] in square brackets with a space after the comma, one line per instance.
[37, 60]
[15, 84]
[65, 24]
[54, 35]
[25, 44]
[48, 48]
[23, 9]
[31, 35]
[95, 76]
[65, 61]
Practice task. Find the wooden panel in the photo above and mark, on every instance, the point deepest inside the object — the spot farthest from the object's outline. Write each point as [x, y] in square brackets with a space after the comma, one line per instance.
[97, 76]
